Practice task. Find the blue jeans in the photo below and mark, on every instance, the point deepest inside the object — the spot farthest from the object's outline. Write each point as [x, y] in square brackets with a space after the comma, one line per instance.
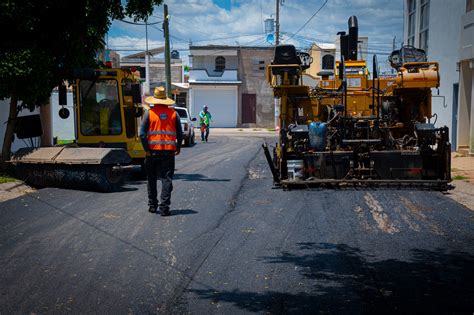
[204, 132]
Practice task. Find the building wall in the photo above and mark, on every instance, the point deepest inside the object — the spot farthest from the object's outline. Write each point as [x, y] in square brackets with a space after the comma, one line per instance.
[209, 63]
[158, 73]
[317, 53]
[444, 33]
[465, 98]
[315, 66]
[252, 74]
[466, 83]
[157, 70]
[17, 143]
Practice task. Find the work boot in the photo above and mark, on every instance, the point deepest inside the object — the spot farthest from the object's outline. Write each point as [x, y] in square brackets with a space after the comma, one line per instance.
[152, 209]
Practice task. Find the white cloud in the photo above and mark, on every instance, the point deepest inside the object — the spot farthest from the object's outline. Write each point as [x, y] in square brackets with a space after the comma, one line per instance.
[203, 22]
[133, 43]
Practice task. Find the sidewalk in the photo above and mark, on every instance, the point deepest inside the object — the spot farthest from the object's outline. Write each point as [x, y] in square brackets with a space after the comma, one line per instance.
[266, 132]
[13, 189]
[462, 173]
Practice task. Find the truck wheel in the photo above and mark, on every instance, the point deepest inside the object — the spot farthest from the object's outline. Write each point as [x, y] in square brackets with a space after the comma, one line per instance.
[186, 142]
[114, 179]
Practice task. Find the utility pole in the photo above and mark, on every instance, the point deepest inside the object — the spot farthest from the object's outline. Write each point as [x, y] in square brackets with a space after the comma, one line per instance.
[166, 32]
[393, 48]
[147, 62]
[277, 100]
[277, 23]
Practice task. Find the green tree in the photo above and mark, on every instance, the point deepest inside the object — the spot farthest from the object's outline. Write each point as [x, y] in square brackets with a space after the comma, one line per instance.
[43, 40]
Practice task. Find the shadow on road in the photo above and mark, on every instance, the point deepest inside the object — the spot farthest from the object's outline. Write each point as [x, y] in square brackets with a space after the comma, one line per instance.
[343, 279]
[182, 212]
[198, 177]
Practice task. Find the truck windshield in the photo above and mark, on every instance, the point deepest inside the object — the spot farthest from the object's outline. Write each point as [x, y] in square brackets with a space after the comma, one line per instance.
[100, 108]
[181, 113]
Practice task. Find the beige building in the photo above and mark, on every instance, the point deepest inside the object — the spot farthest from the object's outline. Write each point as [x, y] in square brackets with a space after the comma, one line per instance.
[323, 59]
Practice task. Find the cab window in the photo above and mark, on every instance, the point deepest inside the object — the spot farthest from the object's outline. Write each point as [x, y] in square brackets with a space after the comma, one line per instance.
[99, 108]
[129, 108]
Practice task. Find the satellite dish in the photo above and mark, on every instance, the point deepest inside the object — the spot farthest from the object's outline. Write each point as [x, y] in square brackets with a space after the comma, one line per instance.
[64, 113]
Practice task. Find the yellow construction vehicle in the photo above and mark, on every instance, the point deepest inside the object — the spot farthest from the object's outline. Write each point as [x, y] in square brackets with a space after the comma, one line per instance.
[107, 105]
[354, 128]
[107, 110]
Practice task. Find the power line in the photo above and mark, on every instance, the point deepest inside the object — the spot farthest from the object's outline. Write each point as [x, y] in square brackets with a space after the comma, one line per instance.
[312, 16]
[159, 29]
[135, 23]
[175, 20]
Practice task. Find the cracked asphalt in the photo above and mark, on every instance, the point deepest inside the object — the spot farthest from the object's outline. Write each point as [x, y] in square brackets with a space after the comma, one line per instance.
[235, 245]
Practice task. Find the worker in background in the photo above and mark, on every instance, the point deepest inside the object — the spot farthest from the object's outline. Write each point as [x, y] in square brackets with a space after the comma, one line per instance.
[161, 136]
[204, 120]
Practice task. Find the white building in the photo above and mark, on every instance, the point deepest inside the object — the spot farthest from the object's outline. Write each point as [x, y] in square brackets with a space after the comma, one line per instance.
[466, 80]
[435, 26]
[231, 81]
[214, 82]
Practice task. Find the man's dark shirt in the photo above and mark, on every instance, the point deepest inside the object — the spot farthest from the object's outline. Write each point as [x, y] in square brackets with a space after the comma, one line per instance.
[144, 129]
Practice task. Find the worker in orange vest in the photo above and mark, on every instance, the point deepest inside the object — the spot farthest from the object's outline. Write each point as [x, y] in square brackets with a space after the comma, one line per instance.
[161, 136]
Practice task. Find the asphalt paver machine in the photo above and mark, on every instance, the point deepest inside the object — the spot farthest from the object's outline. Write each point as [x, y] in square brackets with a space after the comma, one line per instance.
[355, 127]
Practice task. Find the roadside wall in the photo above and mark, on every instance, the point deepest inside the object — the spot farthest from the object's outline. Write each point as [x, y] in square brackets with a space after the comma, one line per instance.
[252, 68]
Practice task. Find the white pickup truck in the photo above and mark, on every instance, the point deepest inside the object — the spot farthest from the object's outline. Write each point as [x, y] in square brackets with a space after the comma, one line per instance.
[187, 125]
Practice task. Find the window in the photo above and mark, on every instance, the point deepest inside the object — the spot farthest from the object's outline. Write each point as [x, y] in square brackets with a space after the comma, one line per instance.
[220, 64]
[411, 22]
[328, 62]
[424, 24]
[181, 112]
[469, 5]
[100, 108]
[128, 108]
[258, 65]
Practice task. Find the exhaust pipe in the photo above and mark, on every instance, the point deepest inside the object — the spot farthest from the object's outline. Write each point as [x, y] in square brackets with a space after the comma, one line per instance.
[353, 37]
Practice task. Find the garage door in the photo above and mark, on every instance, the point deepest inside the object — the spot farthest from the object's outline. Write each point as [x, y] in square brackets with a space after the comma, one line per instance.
[222, 104]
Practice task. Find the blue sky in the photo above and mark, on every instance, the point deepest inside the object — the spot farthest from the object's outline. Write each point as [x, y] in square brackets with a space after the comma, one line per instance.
[241, 22]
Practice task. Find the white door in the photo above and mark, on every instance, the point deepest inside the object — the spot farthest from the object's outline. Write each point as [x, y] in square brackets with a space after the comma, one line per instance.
[221, 103]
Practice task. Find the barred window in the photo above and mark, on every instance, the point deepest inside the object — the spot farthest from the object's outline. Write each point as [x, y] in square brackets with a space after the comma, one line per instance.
[220, 64]
[424, 24]
[328, 62]
[411, 22]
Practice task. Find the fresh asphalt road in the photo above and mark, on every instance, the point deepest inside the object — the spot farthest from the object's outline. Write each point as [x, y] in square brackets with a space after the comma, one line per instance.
[235, 245]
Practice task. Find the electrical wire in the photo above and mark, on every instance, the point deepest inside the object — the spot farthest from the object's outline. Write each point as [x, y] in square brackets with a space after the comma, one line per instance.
[322, 6]
[143, 24]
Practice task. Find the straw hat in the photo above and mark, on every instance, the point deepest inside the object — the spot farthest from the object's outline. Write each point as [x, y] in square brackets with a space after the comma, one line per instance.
[159, 97]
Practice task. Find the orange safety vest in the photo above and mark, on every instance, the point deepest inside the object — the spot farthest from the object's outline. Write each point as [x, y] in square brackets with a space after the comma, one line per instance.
[162, 128]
